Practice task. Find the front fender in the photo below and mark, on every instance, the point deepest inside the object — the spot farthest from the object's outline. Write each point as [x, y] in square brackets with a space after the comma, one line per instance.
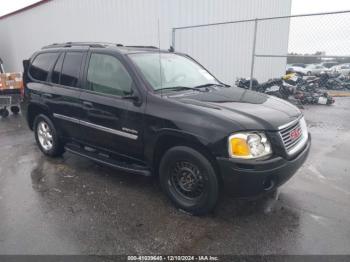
[170, 135]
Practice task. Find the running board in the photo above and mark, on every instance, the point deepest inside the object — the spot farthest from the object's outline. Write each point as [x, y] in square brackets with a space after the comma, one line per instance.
[104, 159]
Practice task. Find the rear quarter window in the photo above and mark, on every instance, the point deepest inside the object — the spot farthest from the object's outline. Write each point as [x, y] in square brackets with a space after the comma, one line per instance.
[41, 65]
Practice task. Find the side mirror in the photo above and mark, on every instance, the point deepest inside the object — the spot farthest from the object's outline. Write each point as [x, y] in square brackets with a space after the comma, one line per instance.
[132, 96]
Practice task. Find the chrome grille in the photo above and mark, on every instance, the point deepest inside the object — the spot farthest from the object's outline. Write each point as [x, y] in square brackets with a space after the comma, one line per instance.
[294, 145]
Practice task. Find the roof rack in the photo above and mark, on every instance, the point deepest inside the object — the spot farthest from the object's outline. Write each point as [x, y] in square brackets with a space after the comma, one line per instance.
[89, 44]
[94, 44]
[143, 46]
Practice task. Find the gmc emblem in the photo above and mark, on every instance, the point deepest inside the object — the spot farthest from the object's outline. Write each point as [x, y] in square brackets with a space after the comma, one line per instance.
[295, 134]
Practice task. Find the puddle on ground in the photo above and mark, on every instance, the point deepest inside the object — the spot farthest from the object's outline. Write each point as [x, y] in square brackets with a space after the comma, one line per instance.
[46, 175]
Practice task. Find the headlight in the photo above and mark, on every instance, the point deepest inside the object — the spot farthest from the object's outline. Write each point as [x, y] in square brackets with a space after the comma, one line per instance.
[248, 145]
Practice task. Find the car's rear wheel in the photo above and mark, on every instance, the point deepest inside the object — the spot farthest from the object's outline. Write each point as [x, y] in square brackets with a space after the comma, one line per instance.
[189, 180]
[46, 136]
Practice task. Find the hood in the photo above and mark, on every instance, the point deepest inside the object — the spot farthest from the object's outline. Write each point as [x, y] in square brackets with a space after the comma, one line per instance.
[251, 110]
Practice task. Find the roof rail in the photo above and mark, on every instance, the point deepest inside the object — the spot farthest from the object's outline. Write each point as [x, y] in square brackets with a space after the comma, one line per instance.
[89, 44]
[143, 46]
[94, 44]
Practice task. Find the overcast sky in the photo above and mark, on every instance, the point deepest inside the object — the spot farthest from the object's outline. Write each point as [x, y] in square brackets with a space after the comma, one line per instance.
[316, 6]
[330, 33]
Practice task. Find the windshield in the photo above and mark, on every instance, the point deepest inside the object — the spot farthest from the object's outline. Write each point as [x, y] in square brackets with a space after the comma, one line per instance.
[175, 71]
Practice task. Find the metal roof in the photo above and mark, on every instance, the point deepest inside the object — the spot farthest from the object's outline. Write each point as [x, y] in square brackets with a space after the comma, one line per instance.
[25, 8]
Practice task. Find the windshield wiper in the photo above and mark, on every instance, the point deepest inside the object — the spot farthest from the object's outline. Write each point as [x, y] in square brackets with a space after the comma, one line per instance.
[209, 84]
[178, 88]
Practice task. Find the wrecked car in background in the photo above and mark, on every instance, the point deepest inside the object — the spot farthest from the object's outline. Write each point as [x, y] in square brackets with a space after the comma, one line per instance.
[296, 89]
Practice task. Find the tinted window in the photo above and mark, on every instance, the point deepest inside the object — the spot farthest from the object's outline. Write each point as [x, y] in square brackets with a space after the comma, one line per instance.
[41, 65]
[71, 69]
[55, 77]
[107, 75]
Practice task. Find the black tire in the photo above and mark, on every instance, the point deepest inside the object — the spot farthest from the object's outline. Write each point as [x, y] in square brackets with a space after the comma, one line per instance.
[4, 112]
[182, 163]
[57, 148]
[15, 110]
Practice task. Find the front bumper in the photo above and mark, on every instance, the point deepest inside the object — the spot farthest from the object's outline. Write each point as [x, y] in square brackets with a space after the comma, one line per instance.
[248, 178]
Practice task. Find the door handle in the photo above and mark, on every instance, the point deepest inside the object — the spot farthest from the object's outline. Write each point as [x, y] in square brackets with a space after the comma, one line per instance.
[88, 104]
[47, 95]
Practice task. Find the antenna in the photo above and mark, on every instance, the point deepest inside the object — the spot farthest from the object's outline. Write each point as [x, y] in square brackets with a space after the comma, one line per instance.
[160, 63]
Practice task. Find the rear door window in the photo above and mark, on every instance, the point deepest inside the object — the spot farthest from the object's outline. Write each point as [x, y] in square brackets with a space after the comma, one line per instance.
[71, 69]
[41, 65]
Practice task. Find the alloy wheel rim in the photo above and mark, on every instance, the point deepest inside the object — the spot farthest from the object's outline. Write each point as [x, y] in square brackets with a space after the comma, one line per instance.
[187, 180]
[45, 136]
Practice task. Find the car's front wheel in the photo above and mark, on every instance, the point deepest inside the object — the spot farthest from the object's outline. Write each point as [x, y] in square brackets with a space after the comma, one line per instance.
[189, 179]
[46, 136]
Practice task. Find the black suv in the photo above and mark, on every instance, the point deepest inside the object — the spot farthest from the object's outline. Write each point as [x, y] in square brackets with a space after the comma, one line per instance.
[153, 112]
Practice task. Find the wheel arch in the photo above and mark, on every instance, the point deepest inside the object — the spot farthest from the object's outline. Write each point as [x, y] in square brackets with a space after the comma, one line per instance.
[167, 140]
[34, 110]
